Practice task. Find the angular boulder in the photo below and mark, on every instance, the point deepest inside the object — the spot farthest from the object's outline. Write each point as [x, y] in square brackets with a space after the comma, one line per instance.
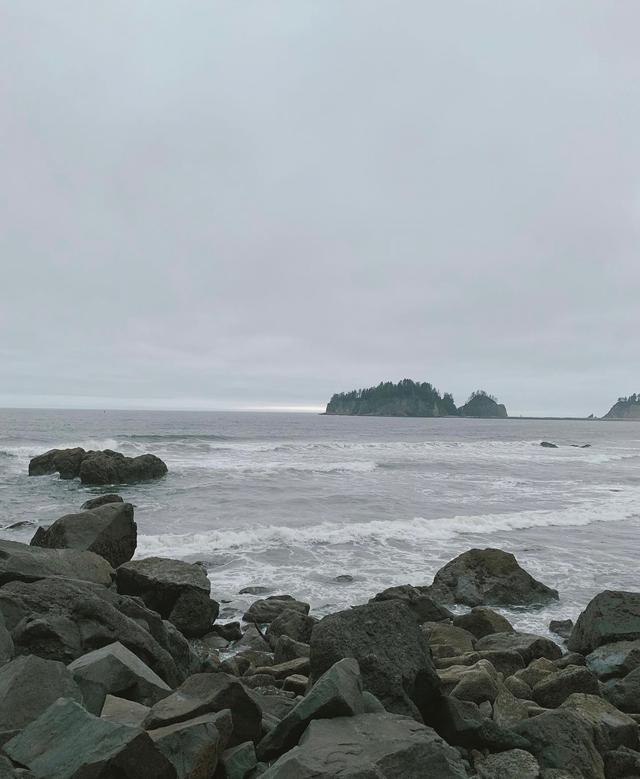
[268, 609]
[611, 616]
[61, 620]
[108, 531]
[288, 649]
[624, 693]
[28, 686]
[614, 660]
[66, 462]
[611, 727]
[423, 605]
[488, 577]
[391, 650]
[512, 764]
[178, 591]
[337, 693]
[528, 645]
[7, 649]
[206, 693]
[24, 563]
[66, 742]
[292, 623]
[109, 467]
[555, 688]
[384, 746]
[482, 621]
[101, 500]
[123, 711]
[239, 761]
[115, 670]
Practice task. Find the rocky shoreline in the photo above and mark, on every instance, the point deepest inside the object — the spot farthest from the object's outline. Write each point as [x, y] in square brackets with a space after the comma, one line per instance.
[119, 668]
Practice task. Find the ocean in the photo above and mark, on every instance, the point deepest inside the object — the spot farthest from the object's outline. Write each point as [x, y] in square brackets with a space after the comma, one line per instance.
[293, 501]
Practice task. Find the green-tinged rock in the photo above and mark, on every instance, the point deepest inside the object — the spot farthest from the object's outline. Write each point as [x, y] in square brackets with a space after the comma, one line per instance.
[124, 712]
[611, 727]
[609, 617]
[512, 764]
[529, 646]
[551, 691]
[369, 746]
[194, 747]
[66, 742]
[24, 563]
[337, 693]
[239, 761]
[28, 686]
[614, 660]
[482, 621]
[624, 693]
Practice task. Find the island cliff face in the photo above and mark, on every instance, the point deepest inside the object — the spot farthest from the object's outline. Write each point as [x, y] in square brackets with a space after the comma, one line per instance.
[408, 398]
[625, 408]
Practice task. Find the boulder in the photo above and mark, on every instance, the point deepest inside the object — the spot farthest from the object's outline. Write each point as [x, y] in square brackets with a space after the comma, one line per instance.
[528, 645]
[62, 620]
[107, 530]
[292, 623]
[482, 621]
[337, 693]
[237, 762]
[508, 710]
[205, 693]
[571, 658]
[253, 639]
[268, 609]
[622, 763]
[555, 688]
[475, 683]
[230, 631]
[195, 746]
[391, 650]
[422, 604]
[624, 693]
[506, 662]
[449, 641]
[548, 445]
[108, 467]
[28, 686]
[288, 649]
[385, 746]
[611, 727]
[488, 577]
[101, 500]
[612, 660]
[24, 563]
[115, 670]
[560, 739]
[280, 671]
[7, 650]
[609, 617]
[463, 724]
[124, 712]
[536, 671]
[178, 591]
[512, 764]
[561, 627]
[296, 683]
[66, 742]
[66, 462]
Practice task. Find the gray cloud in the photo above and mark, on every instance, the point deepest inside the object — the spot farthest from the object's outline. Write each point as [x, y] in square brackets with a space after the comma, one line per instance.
[259, 203]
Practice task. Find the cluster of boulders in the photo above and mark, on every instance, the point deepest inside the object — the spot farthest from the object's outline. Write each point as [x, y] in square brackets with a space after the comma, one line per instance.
[114, 668]
[97, 468]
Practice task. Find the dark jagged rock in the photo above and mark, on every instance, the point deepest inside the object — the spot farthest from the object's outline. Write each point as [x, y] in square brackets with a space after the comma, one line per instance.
[62, 620]
[337, 693]
[124, 712]
[548, 445]
[230, 631]
[115, 670]
[288, 649]
[624, 693]
[392, 651]
[509, 765]
[204, 693]
[7, 649]
[555, 688]
[110, 467]
[293, 624]
[366, 746]
[107, 530]
[488, 577]
[28, 686]
[268, 609]
[484, 406]
[561, 627]
[178, 591]
[617, 659]
[101, 500]
[98, 468]
[610, 616]
[66, 742]
[611, 727]
[461, 723]
[424, 606]
[622, 763]
[239, 761]
[482, 621]
[529, 646]
[24, 563]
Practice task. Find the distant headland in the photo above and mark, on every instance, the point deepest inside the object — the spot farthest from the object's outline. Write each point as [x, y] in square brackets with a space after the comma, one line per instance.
[409, 398]
[625, 408]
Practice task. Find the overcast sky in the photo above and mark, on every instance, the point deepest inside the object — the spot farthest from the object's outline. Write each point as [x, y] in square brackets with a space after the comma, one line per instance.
[257, 203]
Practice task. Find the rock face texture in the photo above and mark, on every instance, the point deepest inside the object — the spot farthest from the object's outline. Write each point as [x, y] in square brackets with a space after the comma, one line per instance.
[106, 467]
[108, 530]
[24, 563]
[610, 617]
[391, 650]
[488, 577]
[178, 591]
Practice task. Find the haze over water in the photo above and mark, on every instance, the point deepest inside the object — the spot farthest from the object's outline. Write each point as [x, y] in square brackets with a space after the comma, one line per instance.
[292, 501]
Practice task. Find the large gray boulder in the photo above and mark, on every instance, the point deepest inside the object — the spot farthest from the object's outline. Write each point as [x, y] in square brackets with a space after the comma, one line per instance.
[561, 739]
[488, 577]
[61, 620]
[66, 742]
[611, 727]
[292, 623]
[24, 563]
[205, 693]
[109, 467]
[612, 660]
[609, 617]
[66, 462]
[194, 747]
[624, 693]
[391, 650]
[423, 605]
[178, 591]
[115, 670]
[369, 746]
[337, 693]
[28, 686]
[101, 500]
[482, 621]
[107, 530]
[512, 764]
[555, 688]
[268, 609]
[529, 646]
[123, 711]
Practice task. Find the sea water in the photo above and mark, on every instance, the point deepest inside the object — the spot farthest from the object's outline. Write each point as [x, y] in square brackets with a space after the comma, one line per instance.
[293, 501]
